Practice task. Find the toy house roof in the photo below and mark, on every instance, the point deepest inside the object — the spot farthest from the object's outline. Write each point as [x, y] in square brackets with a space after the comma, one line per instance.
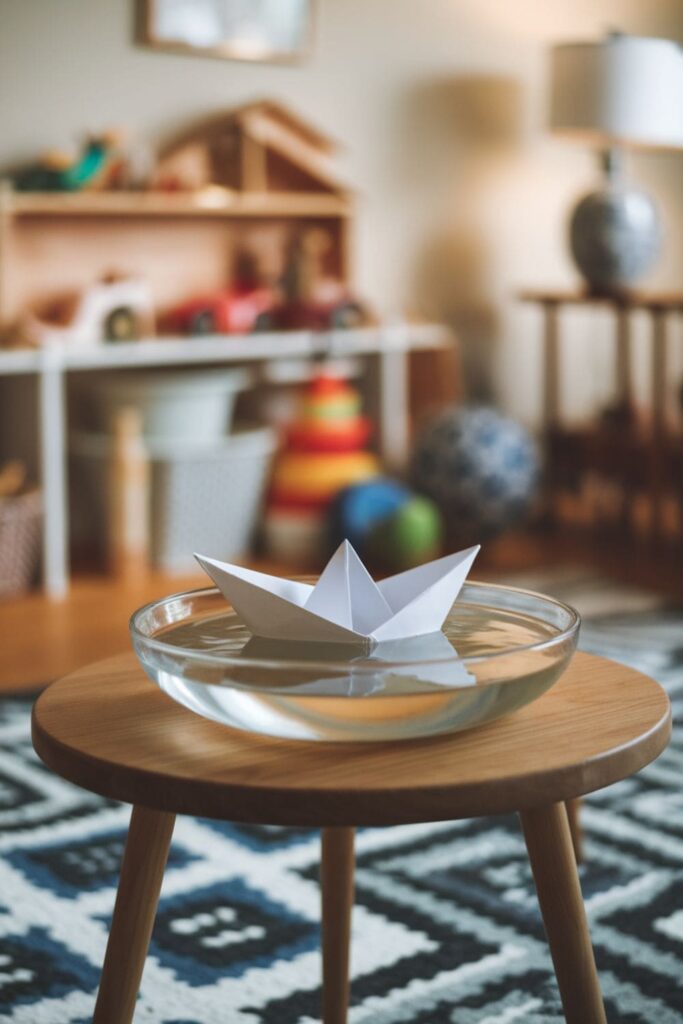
[264, 134]
[262, 111]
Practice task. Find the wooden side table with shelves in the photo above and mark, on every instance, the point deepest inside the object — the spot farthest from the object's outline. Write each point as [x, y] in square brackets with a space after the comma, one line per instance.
[637, 456]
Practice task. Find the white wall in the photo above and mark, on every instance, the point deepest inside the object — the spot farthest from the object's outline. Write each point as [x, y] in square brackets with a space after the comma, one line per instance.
[449, 220]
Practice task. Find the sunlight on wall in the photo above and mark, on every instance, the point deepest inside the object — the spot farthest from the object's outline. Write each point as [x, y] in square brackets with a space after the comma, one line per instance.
[440, 104]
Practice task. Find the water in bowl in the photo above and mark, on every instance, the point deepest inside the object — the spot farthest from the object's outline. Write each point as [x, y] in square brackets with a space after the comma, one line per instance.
[489, 660]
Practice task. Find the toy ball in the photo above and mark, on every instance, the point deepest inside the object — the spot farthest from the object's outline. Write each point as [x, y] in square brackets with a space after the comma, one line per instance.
[480, 467]
[410, 536]
[358, 508]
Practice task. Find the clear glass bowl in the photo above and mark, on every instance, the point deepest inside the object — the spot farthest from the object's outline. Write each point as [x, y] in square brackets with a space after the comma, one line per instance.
[500, 648]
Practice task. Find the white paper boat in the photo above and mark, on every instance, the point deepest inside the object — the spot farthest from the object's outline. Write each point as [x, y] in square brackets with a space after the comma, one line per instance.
[345, 604]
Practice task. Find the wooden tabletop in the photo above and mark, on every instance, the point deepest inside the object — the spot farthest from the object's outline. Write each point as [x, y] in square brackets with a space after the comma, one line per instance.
[110, 730]
[629, 299]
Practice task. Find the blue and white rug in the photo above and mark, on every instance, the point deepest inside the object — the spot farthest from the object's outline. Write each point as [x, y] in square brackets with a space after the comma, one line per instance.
[446, 926]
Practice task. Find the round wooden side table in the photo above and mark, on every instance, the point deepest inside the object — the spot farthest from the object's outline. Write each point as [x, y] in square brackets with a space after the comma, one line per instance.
[109, 729]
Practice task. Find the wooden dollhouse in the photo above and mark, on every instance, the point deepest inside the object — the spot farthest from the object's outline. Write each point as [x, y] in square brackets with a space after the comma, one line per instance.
[253, 177]
[260, 147]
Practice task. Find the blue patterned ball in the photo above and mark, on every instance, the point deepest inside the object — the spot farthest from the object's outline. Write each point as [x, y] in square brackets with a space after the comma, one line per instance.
[480, 467]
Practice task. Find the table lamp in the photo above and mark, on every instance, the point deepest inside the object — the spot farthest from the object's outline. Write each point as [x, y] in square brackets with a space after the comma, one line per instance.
[620, 92]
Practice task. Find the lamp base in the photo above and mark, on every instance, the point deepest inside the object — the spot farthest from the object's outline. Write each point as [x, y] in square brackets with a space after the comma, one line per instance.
[615, 236]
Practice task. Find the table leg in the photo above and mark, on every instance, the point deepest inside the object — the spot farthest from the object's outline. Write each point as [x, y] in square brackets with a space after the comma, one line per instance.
[142, 870]
[574, 818]
[549, 844]
[336, 878]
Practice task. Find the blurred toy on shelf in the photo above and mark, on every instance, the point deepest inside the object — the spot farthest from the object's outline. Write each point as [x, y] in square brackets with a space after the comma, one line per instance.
[358, 509]
[324, 452]
[411, 535]
[304, 298]
[259, 147]
[20, 529]
[237, 309]
[100, 164]
[387, 523]
[480, 467]
[114, 309]
[313, 299]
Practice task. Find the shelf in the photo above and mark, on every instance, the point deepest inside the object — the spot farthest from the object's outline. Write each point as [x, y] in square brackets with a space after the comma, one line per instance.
[238, 348]
[210, 204]
[19, 361]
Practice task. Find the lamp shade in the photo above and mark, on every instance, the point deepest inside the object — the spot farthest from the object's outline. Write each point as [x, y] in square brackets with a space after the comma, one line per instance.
[622, 90]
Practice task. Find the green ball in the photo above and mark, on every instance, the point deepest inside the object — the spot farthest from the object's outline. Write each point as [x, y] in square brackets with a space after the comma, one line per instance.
[409, 536]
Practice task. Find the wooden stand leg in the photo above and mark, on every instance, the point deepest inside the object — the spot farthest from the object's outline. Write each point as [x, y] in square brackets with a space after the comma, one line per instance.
[551, 405]
[659, 423]
[336, 878]
[142, 870]
[549, 843]
[574, 818]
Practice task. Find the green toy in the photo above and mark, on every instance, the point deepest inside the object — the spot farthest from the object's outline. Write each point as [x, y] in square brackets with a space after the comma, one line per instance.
[57, 172]
[409, 536]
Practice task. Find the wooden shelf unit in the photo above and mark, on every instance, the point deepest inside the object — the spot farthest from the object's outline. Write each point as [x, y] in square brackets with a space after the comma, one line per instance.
[55, 243]
[186, 243]
[219, 203]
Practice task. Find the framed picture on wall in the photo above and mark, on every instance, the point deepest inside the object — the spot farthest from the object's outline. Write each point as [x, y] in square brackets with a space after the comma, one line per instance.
[256, 30]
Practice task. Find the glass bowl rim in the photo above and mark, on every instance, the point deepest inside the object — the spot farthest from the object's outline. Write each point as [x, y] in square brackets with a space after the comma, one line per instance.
[224, 661]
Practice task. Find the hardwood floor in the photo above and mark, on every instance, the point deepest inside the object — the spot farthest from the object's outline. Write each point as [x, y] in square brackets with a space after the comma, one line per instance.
[42, 639]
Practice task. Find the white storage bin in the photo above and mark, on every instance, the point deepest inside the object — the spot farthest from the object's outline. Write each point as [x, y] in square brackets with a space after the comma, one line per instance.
[204, 498]
[189, 405]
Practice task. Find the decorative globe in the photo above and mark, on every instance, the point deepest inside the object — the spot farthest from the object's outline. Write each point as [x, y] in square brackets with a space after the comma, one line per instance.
[480, 467]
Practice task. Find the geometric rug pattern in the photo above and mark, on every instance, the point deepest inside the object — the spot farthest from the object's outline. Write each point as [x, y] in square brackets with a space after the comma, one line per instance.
[446, 926]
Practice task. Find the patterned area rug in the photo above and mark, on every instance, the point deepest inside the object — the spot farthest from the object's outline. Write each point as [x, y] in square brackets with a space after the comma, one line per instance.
[445, 914]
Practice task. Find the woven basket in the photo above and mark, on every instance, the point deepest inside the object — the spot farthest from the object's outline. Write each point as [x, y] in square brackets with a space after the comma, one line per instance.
[20, 528]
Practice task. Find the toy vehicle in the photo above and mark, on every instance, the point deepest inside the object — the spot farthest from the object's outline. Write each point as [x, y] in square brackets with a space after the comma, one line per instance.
[112, 310]
[307, 315]
[312, 299]
[234, 310]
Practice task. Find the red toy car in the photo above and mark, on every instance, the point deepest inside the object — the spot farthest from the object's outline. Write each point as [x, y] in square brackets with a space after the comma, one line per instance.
[297, 314]
[236, 310]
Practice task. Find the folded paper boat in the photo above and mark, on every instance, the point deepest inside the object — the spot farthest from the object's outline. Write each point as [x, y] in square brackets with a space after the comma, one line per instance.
[345, 604]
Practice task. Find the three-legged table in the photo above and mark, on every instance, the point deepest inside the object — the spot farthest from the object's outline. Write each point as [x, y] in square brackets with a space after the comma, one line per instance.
[109, 729]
